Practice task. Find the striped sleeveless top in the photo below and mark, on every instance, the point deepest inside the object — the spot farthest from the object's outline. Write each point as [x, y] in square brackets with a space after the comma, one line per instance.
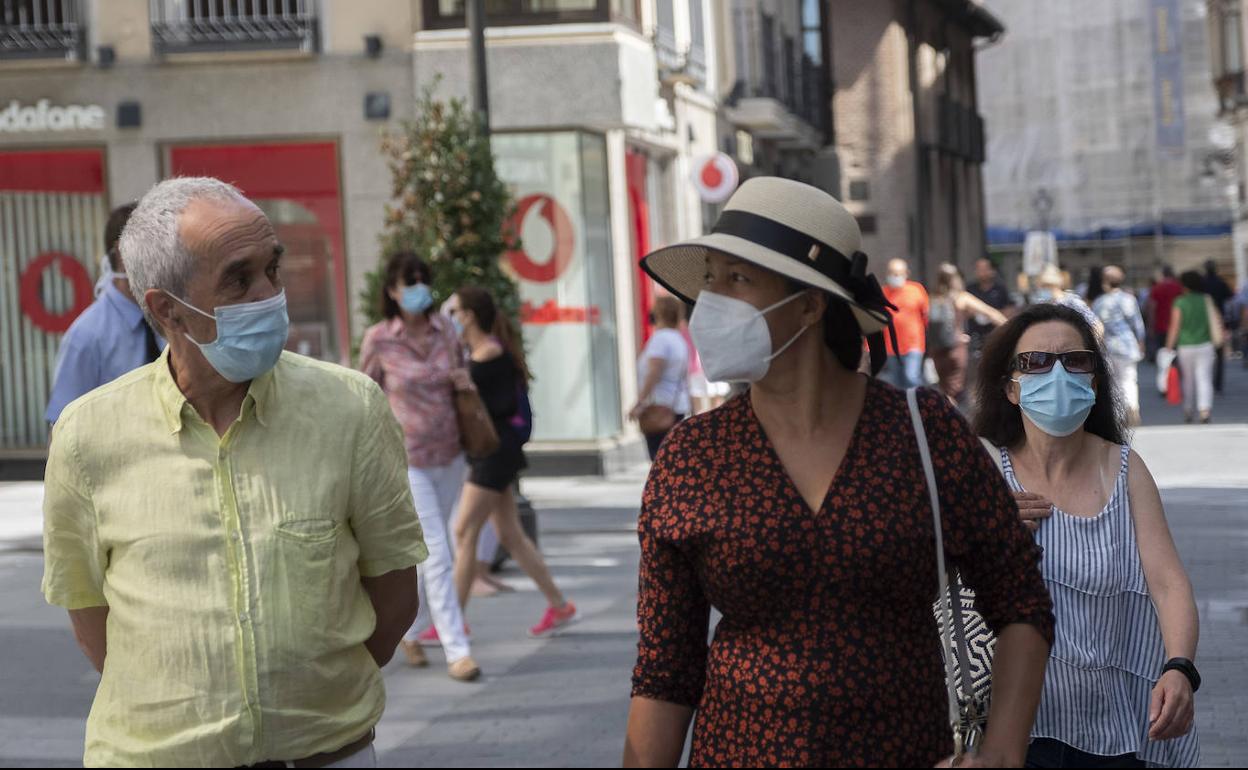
[1108, 651]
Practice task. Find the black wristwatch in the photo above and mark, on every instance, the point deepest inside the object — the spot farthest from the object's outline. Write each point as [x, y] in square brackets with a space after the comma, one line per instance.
[1187, 667]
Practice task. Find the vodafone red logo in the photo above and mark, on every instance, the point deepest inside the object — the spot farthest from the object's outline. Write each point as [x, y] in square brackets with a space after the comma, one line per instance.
[31, 291]
[546, 267]
[716, 177]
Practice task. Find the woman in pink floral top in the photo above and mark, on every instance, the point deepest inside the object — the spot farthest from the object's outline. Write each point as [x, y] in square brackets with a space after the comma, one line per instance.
[417, 358]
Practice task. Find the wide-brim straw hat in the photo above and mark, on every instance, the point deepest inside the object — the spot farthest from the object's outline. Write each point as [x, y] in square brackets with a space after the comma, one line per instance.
[789, 228]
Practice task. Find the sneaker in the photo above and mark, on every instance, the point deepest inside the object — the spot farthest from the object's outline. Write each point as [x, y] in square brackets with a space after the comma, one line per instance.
[555, 619]
[414, 654]
[464, 670]
[429, 637]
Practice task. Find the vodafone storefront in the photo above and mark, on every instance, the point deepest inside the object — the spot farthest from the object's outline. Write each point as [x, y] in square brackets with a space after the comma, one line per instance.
[564, 269]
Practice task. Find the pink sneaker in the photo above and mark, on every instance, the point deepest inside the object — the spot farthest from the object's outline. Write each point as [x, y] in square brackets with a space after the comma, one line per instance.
[429, 637]
[555, 619]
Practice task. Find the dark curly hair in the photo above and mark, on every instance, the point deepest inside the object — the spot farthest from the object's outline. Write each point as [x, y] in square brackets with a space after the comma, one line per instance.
[1000, 421]
[406, 268]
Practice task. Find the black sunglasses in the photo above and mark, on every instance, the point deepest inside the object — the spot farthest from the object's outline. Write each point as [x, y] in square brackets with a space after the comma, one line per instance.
[1073, 361]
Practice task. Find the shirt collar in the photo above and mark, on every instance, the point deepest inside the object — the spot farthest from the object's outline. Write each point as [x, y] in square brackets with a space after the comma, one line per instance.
[129, 311]
[258, 401]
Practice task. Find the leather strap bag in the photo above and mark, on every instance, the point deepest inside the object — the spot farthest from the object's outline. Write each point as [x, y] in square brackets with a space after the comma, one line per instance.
[656, 419]
[968, 715]
[476, 430]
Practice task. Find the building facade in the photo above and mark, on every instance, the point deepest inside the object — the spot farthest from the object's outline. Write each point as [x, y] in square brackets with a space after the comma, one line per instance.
[1226, 55]
[907, 129]
[600, 110]
[101, 99]
[1101, 118]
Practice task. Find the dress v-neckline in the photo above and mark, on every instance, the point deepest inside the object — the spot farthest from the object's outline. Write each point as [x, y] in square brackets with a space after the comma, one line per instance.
[854, 439]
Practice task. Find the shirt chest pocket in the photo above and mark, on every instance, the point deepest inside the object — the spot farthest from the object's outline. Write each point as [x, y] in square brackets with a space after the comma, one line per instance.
[304, 570]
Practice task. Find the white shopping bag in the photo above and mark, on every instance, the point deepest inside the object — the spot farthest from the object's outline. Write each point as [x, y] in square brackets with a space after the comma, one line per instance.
[1165, 360]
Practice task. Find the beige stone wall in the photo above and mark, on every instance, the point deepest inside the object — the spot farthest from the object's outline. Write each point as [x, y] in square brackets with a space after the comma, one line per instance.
[346, 22]
[123, 24]
[875, 130]
[874, 121]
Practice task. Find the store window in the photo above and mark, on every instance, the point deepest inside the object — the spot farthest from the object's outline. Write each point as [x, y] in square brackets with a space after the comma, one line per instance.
[297, 187]
[564, 269]
[52, 215]
[450, 14]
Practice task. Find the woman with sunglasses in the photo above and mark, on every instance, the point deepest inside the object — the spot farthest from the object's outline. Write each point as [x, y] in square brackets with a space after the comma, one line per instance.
[1119, 687]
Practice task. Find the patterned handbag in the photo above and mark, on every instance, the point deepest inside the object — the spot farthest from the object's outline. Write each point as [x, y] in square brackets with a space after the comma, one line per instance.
[968, 675]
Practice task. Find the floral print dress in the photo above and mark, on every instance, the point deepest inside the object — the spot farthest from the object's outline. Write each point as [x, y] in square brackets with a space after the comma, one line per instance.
[827, 654]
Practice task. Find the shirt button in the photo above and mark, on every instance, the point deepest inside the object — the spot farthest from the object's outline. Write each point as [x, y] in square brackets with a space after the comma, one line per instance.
[242, 617]
[237, 536]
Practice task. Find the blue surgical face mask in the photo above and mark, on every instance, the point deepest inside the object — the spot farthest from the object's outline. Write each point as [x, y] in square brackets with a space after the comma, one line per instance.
[250, 337]
[1056, 401]
[459, 327]
[416, 299]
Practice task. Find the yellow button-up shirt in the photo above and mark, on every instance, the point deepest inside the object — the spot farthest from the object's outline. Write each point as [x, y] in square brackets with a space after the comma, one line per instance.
[230, 565]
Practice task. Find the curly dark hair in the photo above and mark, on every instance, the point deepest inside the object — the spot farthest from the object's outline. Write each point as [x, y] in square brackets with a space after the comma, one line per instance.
[407, 268]
[1000, 421]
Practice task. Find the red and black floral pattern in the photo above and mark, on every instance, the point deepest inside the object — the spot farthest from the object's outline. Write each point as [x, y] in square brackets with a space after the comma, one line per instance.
[827, 653]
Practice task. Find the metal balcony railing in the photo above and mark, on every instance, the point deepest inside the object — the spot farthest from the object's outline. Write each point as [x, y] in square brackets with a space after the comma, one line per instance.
[42, 29]
[189, 26]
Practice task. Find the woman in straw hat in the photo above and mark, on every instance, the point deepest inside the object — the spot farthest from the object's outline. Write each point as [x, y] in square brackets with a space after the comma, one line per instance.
[799, 510]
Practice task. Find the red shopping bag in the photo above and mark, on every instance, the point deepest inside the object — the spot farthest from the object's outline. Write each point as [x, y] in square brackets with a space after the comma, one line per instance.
[1174, 387]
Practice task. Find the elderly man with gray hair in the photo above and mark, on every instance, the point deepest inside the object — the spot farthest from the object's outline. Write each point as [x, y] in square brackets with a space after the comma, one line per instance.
[230, 527]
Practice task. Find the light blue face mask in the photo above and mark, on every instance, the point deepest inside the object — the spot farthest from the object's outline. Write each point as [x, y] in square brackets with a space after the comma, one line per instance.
[1056, 401]
[416, 299]
[250, 337]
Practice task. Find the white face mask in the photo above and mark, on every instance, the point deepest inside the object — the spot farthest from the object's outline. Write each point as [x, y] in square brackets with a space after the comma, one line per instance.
[896, 281]
[733, 339]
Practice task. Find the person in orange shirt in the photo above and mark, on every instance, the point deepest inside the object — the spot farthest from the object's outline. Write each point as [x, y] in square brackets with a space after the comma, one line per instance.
[905, 362]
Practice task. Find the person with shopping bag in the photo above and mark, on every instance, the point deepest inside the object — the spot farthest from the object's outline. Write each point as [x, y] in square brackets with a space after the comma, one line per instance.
[1196, 334]
[1120, 682]
[415, 356]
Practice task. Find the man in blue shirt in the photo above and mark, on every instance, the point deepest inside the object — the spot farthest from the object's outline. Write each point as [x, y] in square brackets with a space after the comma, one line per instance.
[109, 339]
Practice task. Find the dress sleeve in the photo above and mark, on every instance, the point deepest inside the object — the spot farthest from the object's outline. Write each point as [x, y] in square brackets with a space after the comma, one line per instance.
[673, 613]
[983, 534]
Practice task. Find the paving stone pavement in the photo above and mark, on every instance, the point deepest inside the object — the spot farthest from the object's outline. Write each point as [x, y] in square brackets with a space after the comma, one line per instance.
[563, 701]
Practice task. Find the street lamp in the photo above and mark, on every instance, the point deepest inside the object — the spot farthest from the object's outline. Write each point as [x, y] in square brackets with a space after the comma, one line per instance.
[476, 62]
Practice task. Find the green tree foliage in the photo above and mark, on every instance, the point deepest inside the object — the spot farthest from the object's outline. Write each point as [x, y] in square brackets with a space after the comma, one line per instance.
[448, 206]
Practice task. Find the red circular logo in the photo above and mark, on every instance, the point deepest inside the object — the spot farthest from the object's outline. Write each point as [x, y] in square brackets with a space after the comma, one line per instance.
[715, 177]
[31, 294]
[564, 238]
[712, 177]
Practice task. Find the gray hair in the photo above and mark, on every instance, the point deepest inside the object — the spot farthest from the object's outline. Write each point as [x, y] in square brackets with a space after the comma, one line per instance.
[152, 249]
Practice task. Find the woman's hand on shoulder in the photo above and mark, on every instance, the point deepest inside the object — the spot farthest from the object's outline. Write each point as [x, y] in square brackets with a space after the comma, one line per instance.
[1033, 509]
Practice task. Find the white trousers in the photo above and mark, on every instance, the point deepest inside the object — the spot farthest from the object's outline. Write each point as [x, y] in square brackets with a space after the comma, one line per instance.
[1196, 362]
[1126, 372]
[436, 494]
